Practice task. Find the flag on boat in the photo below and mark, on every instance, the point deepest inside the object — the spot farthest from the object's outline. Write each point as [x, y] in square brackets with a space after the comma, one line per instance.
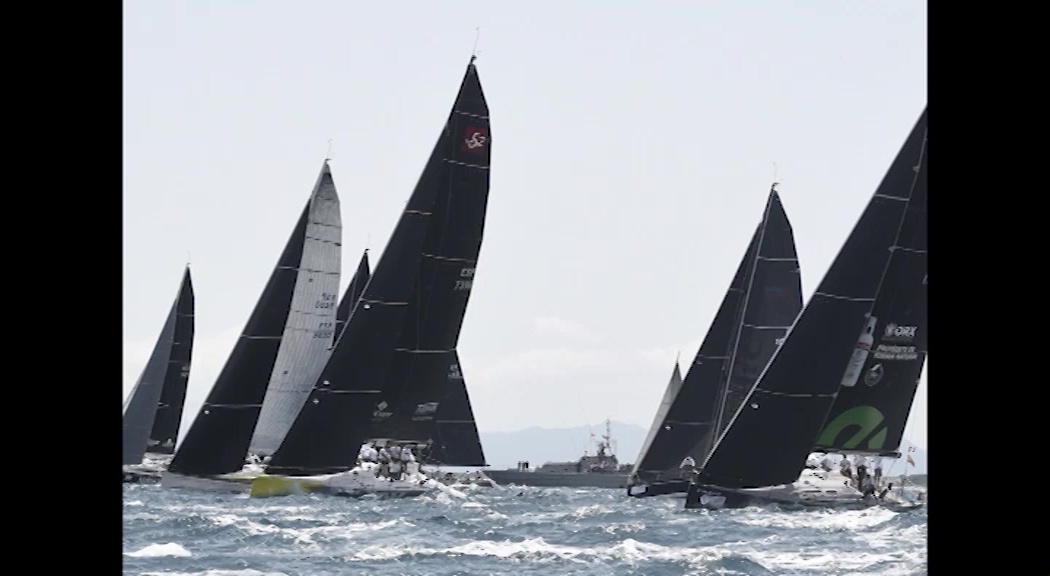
[910, 461]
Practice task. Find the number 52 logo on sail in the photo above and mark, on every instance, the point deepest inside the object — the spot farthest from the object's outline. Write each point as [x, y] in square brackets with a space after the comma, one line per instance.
[475, 139]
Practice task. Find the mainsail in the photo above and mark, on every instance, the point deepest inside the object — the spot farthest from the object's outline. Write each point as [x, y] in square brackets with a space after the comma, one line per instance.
[771, 435]
[425, 354]
[173, 397]
[352, 294]
[456, 441]
[289, 331]
[336, 418]
[762, 301]
[154, 406]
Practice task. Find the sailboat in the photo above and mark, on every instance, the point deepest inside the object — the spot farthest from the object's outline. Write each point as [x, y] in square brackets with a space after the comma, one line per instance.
[286, 338]
[153, 410]
[390, 369]
[875, 288]
[763, 299]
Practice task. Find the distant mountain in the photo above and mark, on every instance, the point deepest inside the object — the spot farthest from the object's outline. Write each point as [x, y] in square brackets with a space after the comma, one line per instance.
[539, 445]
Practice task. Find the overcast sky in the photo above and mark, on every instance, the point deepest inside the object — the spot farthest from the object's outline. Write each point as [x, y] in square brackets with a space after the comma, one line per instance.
[635, 144]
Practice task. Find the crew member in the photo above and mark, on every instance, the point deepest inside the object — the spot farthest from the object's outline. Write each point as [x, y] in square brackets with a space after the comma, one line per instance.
[395, 462]
[384, 461]
[844, 467]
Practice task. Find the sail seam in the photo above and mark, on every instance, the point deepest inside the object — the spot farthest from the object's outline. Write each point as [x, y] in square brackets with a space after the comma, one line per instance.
[458, 163]
[837, 297]
[765, 327]
[449, 258]
[888, 197]
[472, 115]
[260, 337]
[307, 270]
[794, 395]
[384, 302]
[778, 259]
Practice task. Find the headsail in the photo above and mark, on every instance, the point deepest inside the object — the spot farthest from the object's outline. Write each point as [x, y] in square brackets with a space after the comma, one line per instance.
[352, 294]
[772, 301]
[166, 369]
[290, 328]
[337, 417]
[173, 397]
[455, 441]
[773, 432]
[670, 393]
[872, 406]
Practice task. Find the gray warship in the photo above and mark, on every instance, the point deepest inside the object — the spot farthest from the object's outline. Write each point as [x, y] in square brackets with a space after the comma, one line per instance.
[601, 470]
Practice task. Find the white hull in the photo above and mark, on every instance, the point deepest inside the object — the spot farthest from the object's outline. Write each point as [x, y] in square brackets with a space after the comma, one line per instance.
[813, 489]
[355, 483]
[236, 483]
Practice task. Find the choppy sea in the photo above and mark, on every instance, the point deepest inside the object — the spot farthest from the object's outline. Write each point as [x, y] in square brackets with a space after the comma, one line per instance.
[504, 530]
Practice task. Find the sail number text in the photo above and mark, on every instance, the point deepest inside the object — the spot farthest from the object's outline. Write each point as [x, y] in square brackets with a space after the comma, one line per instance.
[466, 279]
[327, 301]
[324, 330]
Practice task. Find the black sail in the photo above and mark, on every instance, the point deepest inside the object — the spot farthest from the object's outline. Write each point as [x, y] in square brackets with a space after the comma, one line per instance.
[456, 441]
[417, 381]
[762, 301]
[771, 435]
[352, 294]
[336, 419]
[871, 409]
[670, 393]
[173, 397]
[218, 440]
[772, 301]
[141, 409]
[690, 419]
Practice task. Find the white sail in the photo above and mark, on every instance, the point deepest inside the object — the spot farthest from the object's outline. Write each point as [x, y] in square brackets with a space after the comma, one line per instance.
[309, 331]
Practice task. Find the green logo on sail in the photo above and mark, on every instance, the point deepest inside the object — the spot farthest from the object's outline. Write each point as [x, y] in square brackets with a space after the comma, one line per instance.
[865, 419]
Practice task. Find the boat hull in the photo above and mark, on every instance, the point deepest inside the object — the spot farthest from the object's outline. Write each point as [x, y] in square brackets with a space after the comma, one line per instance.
[798, 495]
[660, 488]
[231, 483]
[351, 484]
[133, 476]
[558, 479]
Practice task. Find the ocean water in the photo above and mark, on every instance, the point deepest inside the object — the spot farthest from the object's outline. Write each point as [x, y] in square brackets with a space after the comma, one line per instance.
[505, 530]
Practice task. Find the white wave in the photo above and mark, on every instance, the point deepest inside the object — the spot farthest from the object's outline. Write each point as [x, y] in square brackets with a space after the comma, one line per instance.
[823, 519]
[634, 552]
[247, 572]
[158, 550]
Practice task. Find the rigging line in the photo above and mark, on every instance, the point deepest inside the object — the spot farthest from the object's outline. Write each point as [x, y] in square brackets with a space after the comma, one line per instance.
[477, 37]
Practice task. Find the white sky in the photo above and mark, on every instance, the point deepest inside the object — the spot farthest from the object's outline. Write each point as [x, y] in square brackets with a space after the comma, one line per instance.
[634, 148]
